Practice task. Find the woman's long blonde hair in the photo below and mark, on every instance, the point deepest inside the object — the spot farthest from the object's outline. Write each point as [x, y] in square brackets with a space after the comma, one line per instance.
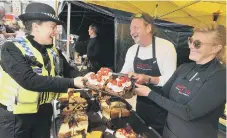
[220, 37]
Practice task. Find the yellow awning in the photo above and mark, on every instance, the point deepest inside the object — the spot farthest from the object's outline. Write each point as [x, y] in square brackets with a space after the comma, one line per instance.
[183, 12]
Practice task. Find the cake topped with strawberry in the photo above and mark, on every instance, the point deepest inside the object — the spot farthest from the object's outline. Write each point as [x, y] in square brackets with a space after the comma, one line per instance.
[105, 80]
[126, 132]
[105, 73]
[119, 84]
[124, 81]
[96, 79]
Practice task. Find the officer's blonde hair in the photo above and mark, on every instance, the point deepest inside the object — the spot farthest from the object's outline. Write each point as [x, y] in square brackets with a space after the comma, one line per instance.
[219, 37]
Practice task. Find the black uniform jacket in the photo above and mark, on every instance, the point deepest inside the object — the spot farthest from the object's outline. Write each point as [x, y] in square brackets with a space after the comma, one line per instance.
[15, 64]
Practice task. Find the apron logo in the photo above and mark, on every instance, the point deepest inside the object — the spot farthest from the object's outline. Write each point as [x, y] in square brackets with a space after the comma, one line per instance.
[183, 90]
[197, 79]
[144, 66]
[154, 61]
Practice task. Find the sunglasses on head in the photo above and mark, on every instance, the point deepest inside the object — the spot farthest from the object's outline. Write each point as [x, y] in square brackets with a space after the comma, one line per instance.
[146, 17]
[139, 15]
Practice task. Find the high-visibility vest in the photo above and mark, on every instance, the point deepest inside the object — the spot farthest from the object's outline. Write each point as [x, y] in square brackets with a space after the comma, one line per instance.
[15, 97]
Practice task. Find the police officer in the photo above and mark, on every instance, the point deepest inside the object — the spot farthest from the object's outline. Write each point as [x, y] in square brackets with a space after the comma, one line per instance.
[28, 80]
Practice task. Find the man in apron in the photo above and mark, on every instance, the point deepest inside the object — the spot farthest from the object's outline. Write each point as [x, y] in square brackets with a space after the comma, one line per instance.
[150, 61]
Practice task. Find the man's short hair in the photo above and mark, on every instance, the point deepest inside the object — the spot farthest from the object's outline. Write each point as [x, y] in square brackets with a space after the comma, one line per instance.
[95, 28]
[146, 17]
[28, 25]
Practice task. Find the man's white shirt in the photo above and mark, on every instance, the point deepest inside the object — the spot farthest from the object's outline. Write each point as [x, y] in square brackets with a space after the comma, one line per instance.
[165, 54]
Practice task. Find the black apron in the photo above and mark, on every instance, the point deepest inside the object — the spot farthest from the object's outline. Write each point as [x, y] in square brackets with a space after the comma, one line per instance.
[150, 112]
[183, 90]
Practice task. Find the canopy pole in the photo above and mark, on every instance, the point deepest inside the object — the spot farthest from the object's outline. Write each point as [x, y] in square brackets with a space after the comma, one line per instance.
[155, 12]
[68, 30]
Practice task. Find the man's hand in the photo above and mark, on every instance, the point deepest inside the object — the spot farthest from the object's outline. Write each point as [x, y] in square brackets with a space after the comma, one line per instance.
[130, 74]
[142, 90]
[141, 78]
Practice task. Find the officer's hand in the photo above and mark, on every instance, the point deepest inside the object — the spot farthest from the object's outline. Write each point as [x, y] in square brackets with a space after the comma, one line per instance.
[87, 75]
[141, 78]
[70, 91]
[142, 90]
[78, 82]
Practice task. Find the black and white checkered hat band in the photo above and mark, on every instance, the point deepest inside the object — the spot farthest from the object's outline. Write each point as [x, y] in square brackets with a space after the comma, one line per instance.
[50, 15]
[44, 13]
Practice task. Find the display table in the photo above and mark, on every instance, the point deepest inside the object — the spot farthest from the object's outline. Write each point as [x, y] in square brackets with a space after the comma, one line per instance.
[99, 123]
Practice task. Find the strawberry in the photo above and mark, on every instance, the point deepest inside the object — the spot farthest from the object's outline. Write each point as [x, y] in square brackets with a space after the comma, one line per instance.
[122, 80]
[99, 79]
[119, 84]
[114, 82]
[126, 78]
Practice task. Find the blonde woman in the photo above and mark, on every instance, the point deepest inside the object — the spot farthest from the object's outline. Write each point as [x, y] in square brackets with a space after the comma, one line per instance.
[195, 94]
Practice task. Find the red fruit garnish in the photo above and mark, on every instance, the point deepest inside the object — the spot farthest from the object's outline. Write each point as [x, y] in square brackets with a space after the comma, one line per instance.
[114, 82]
[123, 131]
[122, 80]
[99, 79]
[99, 74]
[119, 84]
[105, 73]
[110, 80]
[126, 78]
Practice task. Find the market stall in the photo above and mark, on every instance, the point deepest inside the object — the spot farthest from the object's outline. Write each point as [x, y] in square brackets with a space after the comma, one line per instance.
[115, 33]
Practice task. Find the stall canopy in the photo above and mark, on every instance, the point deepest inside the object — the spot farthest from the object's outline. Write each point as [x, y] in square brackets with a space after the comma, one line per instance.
[182, 12]
[114, 19]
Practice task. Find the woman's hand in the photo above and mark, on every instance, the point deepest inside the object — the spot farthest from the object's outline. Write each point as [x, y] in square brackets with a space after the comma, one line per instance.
[142, 90]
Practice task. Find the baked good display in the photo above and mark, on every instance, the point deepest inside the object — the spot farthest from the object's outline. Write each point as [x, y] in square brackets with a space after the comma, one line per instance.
[104, 81]
[74, 117]
[126, 132]
[64, 131]
[64, 97]
[68, 109]
[98, 81]
[125, 112]
[74, 125]
[77, 100]
[106, 113]
[117, 104]
[115, 109]
[75, 120]
[75, 104]
[115, 113]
